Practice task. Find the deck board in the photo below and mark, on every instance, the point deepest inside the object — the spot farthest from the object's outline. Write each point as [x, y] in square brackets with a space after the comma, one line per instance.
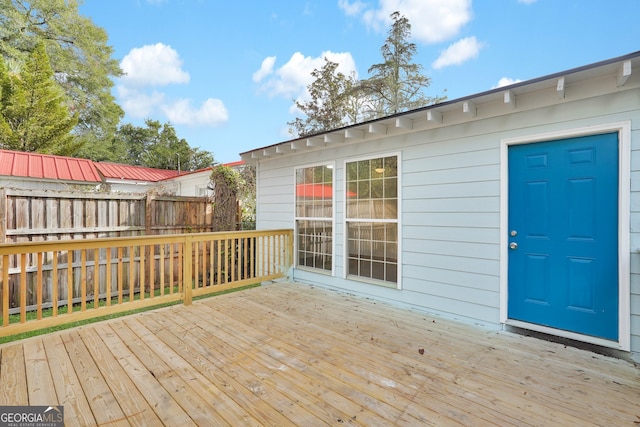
[289, 354]
[39, 381]
[67, 385]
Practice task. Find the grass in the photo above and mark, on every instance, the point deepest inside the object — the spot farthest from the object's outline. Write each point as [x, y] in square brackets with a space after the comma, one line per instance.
[48, 312]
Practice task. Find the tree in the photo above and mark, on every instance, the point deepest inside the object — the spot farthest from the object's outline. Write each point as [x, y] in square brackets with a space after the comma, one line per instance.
[158, 146]
[33, 108]
[80, 58]
[328, 106]
[232, 187]
[397, 83]
[5, 93]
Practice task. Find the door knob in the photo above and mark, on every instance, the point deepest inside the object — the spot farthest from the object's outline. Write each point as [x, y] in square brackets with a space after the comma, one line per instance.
[513, 245]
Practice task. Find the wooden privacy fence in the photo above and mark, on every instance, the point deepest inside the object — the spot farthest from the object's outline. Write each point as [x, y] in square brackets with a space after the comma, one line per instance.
[38, 215]
[45, 284]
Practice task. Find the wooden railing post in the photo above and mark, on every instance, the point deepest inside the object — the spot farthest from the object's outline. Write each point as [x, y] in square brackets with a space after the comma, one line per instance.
[187, 270]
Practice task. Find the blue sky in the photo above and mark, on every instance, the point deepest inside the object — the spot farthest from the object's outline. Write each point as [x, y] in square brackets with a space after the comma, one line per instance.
[224, 73]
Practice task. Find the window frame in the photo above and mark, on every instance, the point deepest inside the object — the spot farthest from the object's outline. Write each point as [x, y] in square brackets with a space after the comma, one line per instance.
[330, 165]
[397, 221]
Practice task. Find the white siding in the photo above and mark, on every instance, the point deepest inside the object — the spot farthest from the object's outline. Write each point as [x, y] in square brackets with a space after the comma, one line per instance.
[451, 202]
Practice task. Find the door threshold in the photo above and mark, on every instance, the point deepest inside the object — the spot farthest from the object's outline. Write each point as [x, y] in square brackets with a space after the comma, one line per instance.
[565, 337]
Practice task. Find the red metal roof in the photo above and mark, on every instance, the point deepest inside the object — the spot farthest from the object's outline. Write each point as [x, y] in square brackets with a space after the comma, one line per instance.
[133, 173]
[46, 166]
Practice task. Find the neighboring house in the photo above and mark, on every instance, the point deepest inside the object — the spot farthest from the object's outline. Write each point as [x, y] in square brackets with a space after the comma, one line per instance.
[134, 179]
[198, 183]
[517, 206]
[33, 171]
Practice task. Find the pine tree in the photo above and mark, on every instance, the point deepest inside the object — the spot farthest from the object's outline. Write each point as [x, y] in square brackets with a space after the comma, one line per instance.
[33, 109]
[397, 83]
[79, 54]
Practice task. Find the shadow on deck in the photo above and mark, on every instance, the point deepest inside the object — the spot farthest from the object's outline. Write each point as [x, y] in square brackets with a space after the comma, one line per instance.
[289, 354]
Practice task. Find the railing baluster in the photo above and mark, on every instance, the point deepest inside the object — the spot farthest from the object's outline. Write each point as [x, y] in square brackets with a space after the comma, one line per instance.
[23, 288]
[70, 280]
[5, 290]
[171, 272]
[195, 263]
[39, 286]
[132, 274]
[152, 271]
[180, 266]
[219, 244]
[232, 253]
[120, 274]
[54, 283]
[83, 280]
[107, 274]
[161, 264]
[96, 278]
[143, 285]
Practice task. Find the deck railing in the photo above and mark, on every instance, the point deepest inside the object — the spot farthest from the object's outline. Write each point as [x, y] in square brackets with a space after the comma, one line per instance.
[44, 284]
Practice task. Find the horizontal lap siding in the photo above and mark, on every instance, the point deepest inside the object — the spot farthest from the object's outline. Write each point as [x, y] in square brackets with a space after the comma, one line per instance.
[274, 198]
[451, 205]
[451, 220]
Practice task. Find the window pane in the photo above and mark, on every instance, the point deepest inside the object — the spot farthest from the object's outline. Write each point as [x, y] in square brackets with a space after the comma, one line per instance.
[391, 209]
[391, 252]
[377, 270]
[363, 189]
[391, 166]
[391, 232]
[373, 246]
[365, 268]
[314, 199]
[391, 274]
[377, 188]
[364, 169]
[315, 244]
[314, 192]
[352, 171]
[391, 188]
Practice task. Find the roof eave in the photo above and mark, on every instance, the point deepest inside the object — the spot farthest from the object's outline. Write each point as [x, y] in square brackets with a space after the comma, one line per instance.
[434, 113]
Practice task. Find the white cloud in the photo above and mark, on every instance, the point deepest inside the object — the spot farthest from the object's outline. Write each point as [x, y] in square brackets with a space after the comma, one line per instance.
[432, 21]
[458, 52]
[506, 81]
[291, 80]
[160, 65]
[138, 104]
[212, 112]
[352, 9]
[153, 65]
[265, 69]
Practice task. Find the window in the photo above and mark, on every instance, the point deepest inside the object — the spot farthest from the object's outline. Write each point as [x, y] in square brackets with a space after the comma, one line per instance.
[314, 217]
[372, 219]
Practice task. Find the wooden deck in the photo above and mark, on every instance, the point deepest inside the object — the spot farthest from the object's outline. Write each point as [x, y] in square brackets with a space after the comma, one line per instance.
[293, 355]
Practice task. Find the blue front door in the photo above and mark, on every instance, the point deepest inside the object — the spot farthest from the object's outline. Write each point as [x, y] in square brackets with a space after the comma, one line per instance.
[563, 234]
